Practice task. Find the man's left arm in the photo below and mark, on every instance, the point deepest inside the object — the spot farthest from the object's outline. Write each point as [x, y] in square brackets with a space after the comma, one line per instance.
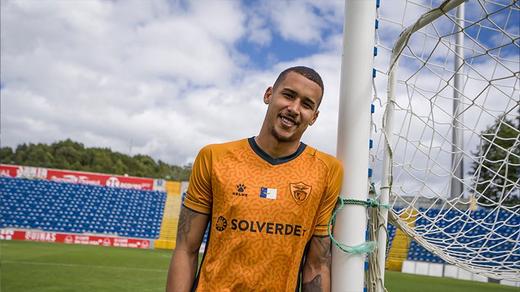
[317, 266]
[316, 270]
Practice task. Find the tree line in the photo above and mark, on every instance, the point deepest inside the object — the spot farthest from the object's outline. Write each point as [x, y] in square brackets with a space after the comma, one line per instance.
[71, 155]
[497, 171]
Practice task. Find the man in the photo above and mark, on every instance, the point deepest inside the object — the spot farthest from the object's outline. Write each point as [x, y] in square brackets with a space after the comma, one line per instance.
[268, 199]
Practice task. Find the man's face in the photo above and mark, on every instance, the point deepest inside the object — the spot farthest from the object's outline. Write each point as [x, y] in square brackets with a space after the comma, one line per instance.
[293, 106]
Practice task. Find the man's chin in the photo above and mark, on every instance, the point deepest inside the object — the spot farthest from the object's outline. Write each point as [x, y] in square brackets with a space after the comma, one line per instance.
[284, 137]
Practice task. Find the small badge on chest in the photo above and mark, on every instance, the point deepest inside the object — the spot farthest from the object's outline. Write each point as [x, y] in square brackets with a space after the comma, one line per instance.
[300, 191]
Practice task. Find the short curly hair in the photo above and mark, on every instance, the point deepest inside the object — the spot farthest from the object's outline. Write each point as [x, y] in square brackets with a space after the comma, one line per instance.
[307, 72]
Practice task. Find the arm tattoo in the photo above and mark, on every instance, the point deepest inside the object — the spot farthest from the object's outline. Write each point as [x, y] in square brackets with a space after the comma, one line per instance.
[320, 259]
[184, 223]
[324, 250]
[313, 286]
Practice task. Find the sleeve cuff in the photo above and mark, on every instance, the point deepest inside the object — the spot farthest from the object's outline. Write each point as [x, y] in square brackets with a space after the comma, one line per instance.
[199, 208]
[321, 230]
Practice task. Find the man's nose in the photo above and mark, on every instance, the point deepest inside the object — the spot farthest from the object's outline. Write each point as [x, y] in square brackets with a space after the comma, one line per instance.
[294, 107]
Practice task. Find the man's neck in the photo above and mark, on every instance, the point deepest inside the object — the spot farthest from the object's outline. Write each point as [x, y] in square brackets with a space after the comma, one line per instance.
[274, 147]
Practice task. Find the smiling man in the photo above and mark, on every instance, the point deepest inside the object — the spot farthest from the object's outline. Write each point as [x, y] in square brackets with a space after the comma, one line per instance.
[268, 200]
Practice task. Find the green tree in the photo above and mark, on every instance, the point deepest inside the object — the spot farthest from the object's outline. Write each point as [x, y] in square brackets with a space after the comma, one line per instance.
[68, 154]
[497, 169]
[39, 155]
[6, 155]
[20, 153]
[102, 161]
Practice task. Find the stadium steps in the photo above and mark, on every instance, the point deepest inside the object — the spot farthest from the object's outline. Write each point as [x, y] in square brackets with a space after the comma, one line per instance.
[172, 208]
[401, 243]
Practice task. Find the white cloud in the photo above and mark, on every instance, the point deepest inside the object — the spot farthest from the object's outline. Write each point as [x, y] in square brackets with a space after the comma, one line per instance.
[296, 21]
[259, 32]
[109, 73]
[303, 21]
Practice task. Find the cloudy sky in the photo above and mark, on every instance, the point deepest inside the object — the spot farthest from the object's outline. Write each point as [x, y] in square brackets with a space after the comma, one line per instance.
[165, 77]
[158, 77]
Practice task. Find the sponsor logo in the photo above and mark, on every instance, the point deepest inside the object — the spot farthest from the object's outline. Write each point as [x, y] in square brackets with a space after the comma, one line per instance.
[69, 239]
[6, 234]
[241, 188]
[273, 228]
[121, 242]
[268, 193]
[70, 178]
[40, 236]
[31, 172]
[5, 172]
[221, 223]
[300, 191]
[113, 182]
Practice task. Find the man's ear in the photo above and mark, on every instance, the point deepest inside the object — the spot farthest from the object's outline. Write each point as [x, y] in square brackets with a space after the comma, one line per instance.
[268, 95]
[314, 118]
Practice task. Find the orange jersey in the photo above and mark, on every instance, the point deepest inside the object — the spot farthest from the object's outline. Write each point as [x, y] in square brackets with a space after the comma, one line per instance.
[263, 212]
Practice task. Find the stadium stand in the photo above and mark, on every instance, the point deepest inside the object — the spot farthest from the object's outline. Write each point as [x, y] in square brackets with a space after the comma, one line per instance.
[170, 220]
[419, 253]
[398, 243]
[80, 208]
[470, 232]
[391, 231]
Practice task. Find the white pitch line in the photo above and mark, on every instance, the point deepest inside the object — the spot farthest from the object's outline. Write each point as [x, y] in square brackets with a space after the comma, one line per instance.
[82, 266]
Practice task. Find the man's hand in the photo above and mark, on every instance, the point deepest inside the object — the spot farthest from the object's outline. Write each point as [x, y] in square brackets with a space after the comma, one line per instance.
[316, 270]
[183, 265]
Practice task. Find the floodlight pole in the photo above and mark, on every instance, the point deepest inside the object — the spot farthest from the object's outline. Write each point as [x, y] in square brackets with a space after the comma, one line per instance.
[353, 135]
[457, 157]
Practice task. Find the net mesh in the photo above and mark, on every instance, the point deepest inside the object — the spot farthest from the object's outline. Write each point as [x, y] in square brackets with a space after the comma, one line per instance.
[476, 227]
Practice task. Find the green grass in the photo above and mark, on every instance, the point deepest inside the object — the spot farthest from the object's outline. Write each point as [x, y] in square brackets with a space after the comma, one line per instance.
[400, 282]
[34, 266]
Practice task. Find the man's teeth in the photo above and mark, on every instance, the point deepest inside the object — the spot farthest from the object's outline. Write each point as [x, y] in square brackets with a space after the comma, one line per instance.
[287, 121]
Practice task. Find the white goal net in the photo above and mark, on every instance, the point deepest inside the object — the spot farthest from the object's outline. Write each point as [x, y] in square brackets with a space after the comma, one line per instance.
[449, 127]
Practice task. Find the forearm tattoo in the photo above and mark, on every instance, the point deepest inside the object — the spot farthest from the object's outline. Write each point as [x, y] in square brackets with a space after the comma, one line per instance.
[324, 250]
[313, 286]
[322, 256]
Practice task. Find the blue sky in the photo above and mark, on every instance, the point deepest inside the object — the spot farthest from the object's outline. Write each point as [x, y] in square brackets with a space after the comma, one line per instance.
[280, 50]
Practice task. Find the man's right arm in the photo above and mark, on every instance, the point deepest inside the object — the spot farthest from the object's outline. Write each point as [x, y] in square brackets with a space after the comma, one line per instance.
[183, 265]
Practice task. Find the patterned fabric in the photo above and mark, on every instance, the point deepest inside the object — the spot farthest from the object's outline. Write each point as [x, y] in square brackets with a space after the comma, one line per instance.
[263, 212]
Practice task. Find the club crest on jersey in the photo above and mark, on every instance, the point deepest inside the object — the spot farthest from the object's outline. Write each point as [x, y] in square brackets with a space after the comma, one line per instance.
[300, 191]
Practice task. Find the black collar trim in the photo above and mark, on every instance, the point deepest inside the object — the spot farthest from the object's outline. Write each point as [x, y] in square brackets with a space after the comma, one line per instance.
[271, 160]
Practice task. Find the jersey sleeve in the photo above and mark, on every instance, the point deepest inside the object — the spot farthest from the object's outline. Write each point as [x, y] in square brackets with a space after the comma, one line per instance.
[328, 203]
[199, 196]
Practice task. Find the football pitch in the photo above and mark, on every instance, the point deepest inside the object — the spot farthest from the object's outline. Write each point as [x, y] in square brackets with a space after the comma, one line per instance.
[34, 266]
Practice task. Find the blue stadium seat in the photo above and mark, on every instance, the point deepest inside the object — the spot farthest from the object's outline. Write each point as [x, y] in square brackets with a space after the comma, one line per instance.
[65, 207]
[494, 232]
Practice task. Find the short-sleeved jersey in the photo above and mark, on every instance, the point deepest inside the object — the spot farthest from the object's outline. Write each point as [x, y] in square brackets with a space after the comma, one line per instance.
[263, 212]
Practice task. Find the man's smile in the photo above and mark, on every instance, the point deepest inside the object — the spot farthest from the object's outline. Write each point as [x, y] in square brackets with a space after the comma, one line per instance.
[287, 121]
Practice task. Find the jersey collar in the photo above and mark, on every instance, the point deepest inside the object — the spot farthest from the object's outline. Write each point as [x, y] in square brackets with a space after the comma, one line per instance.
[271, 160]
